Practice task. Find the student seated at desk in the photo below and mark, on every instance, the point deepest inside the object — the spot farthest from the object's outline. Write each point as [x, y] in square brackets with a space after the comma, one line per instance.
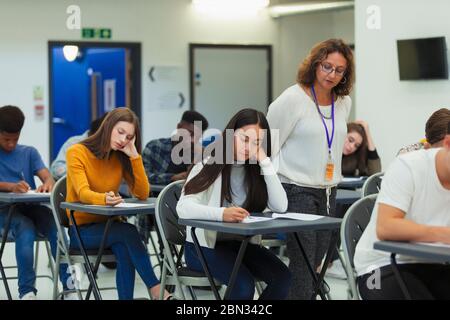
[159, 162]
[227, 188]
[18, 166]
[413, 205]
[95, 169]
[360, 157]
[58, 166]
[157, 155]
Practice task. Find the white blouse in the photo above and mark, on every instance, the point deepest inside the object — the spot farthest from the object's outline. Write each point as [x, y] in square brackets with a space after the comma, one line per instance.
[300, 147]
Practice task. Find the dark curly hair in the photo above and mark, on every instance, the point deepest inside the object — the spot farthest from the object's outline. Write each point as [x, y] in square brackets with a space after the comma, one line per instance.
[306, 74]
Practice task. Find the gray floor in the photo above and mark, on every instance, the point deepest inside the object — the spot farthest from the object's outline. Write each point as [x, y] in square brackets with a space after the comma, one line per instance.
[338, 288]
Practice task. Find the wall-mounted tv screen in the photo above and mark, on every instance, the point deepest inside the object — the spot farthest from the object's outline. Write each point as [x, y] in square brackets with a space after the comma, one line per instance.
[422, 58]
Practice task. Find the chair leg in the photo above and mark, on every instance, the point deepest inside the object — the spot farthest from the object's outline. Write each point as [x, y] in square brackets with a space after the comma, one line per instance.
[163, 281]
[51, 263]
[175, 273]
[192, 292]
[55, 271]
[152, 243]
[36, 260]
[259, 288]
[36, 255]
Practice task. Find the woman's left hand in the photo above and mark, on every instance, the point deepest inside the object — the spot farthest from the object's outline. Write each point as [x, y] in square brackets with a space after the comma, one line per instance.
[130, 149]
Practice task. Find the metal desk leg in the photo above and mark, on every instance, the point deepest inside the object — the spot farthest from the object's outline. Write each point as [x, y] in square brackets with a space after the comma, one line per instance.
[204, 264]
[399, 278]
[308, 264]
[2, 248]
[236, 267]
[331, 247]
[90, 272]
[99, 254]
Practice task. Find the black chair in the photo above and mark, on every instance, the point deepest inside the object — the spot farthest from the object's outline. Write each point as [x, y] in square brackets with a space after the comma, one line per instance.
[373, 184]
[353, 225]
[174, 271]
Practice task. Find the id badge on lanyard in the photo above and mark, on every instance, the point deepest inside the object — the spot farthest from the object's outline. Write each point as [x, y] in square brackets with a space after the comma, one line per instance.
[329, 168]
[329, 171]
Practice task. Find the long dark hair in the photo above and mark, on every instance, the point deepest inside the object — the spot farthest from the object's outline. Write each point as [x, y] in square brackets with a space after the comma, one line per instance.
[257, 196]
[100, 142]
[357, 159]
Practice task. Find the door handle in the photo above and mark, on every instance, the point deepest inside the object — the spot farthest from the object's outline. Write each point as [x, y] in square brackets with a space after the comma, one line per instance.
[59, 120]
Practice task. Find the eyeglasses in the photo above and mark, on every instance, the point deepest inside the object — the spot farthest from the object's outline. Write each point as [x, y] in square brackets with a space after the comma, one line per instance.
[328, 68]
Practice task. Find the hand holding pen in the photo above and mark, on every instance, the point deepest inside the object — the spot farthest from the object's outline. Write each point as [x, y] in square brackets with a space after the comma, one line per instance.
[21, 186]
[234, 214]
[111, 199]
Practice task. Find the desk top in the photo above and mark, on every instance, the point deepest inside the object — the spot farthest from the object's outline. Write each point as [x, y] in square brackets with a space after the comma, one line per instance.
[353, 184]
[157, 187]
[113, 211]
[344, 196]
[429, 252]
[264, 227]
[8, 197]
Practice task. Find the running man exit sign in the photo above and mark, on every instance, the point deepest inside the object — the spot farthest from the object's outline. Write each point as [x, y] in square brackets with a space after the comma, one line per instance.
[98, 33]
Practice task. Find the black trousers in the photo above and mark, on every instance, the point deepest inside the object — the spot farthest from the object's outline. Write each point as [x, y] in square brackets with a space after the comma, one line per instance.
[315, 243]
[423, 281]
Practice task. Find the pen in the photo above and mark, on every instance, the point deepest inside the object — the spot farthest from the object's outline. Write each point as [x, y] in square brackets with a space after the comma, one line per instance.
[23, 178]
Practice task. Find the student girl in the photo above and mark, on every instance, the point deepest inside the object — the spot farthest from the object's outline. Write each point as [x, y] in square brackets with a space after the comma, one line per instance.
[360, 157]
[228, 191]
[95, 169]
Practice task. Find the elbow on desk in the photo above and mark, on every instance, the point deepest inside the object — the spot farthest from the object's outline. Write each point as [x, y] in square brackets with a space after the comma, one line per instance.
[383, 232]
[280, 208]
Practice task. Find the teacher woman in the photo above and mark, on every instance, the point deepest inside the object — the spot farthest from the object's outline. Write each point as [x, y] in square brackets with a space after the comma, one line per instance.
[311, 120]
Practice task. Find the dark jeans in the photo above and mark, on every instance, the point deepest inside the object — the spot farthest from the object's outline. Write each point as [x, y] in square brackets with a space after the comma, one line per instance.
[258, 263]
[423, 281]
[130, 252]
[315, 243]
[28, 221]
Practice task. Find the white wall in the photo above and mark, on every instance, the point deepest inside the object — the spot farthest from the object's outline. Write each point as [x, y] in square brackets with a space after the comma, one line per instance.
[397, 110]
[164, 27]
[299, 33]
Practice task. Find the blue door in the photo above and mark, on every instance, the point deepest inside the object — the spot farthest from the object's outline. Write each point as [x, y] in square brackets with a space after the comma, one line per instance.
[84, 89]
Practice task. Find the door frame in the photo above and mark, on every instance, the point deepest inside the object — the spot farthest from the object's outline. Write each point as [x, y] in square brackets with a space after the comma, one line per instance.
[193, 46]
[135, 57]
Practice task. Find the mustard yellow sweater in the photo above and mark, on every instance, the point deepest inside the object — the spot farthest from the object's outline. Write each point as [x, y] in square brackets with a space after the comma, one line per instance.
[88, 178]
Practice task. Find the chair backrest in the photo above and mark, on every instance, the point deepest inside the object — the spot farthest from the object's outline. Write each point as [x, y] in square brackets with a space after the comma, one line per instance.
[355, 222]
[373, 184]
[166, 214]
[57, 196]
[353, 225]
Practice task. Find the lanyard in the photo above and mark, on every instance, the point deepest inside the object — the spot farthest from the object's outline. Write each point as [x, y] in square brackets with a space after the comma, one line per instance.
[329, 140]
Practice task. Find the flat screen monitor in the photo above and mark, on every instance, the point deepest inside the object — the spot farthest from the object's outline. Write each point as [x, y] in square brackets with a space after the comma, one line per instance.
[422, 58]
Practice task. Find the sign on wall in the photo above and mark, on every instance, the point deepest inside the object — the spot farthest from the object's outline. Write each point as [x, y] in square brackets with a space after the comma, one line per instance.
[166, 87]
[96, 33]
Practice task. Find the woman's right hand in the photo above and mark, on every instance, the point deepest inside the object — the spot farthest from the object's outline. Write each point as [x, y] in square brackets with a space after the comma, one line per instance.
[234, 214]
[111, 199]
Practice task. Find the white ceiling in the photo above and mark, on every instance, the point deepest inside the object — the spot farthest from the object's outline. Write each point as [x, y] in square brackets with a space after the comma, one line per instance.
[284, 2]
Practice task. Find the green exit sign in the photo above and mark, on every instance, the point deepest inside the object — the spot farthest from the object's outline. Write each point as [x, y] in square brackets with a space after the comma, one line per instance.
[98, 33]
